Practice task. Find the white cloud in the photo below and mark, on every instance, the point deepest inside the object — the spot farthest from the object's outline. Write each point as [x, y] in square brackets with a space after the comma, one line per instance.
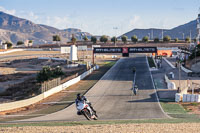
[57, 22]
[135, 21]
[12, 12]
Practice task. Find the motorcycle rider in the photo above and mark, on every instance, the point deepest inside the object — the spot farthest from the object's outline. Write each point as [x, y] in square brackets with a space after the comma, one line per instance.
[135, 89]
[80, 98]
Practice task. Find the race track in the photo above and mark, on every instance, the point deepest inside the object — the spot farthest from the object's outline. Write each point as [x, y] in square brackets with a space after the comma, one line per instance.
[112, 95]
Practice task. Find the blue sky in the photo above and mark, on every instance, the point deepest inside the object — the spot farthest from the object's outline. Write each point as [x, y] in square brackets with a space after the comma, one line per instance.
[100, 16]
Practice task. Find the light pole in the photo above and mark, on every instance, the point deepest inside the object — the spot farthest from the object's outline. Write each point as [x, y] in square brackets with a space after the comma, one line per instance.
[183, 35]
[195, 53]
[115, 28]
[152, 34]
[179, 72]
[163, 33]
[149, 34]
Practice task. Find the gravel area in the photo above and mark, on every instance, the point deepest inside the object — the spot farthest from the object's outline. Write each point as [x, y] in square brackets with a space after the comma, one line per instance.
[115, 128]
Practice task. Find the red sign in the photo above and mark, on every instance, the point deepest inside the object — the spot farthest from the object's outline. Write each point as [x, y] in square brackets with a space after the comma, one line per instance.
[125, 50]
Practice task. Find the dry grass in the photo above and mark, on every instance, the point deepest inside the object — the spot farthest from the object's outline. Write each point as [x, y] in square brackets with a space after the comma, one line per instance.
[107, 128]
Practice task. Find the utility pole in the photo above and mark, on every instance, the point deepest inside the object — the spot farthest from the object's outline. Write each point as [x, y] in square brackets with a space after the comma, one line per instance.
[183, 36]
[115, 28]
[195, 54]
[149, 34]
[179, 74]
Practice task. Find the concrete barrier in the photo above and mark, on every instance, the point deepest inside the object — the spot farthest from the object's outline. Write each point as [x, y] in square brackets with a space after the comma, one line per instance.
[170, 84]
[166, 93]
[185, 69]
[10, 51]
[30, 101]
[184, 97]
[52, 91]
[49, 58]
[192, 98]
[21, 103]
[188, 97]
[197, 98]
[178, 97]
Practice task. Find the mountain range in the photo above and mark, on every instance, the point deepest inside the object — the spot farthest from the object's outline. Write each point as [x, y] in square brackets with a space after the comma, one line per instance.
[15, 29]
[180, 32]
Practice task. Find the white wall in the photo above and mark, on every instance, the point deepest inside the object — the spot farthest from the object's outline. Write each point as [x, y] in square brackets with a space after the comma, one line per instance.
[12, 50]
[27, 102]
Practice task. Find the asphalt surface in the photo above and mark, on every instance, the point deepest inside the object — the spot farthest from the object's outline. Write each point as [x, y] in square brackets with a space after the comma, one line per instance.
[112, 96]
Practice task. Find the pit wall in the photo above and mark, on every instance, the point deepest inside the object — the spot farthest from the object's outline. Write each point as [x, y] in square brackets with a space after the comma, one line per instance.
[27, 102]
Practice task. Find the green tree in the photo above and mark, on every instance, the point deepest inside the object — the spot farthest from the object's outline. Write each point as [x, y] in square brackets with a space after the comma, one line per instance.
[104, 39]
[47, 73]
[134, 39]
[57, 72]
[85, 38]
[44, 75]
[187, 40]
[73, 39]
[176, 40]
[56, 38]
[9, 44]
[114, 39]
[124, 39]
[145, 39]
[166, 39]
[20, 43]
[30, 41]
[93, 39]
[156, 40]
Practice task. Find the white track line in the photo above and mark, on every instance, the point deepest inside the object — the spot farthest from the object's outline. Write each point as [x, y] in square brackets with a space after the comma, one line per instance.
[156, 91]
[133, 83]
[169, 63]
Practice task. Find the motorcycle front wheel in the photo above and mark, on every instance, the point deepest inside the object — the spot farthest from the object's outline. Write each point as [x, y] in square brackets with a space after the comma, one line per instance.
[87, 114]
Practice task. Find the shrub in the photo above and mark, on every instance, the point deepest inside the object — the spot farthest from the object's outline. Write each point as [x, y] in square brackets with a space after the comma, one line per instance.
[166, 39]
[145, 39]
[156, 40]
[134, 39]
[47, 73]
[124, 38]
[104, 39]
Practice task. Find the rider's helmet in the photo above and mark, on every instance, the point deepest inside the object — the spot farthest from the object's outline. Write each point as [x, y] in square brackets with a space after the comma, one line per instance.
[79, 96]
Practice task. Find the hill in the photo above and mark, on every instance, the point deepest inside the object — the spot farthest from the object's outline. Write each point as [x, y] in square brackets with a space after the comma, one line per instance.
[13, 29]
[176, 32]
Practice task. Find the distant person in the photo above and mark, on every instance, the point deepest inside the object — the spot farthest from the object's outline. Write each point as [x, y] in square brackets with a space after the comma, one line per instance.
[135, 89]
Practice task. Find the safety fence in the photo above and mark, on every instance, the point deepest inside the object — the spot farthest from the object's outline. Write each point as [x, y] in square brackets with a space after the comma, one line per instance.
[45, 94]
[47, 85]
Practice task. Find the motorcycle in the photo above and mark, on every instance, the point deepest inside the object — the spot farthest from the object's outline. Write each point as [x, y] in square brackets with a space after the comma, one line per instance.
[83, 108]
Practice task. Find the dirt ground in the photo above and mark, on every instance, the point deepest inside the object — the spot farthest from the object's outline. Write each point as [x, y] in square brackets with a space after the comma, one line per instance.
[16, 70]
[115, 128]
[193, 108]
